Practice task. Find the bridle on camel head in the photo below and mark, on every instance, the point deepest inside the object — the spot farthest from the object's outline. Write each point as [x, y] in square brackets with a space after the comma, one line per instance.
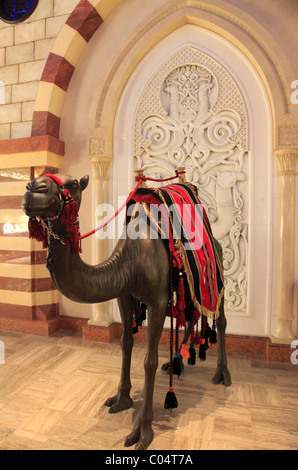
[40, 230]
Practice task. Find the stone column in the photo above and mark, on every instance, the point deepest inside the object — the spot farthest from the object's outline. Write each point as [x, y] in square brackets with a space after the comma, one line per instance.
[101, 164]
[283, 331]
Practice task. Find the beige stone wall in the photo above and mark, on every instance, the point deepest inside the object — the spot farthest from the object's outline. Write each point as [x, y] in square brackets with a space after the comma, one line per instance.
[24, 49]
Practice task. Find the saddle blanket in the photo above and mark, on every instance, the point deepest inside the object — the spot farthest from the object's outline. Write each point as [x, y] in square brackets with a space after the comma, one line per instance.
[179, 217]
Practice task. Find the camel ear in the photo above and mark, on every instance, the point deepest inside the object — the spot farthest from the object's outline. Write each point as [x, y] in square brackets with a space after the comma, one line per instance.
[84, 182]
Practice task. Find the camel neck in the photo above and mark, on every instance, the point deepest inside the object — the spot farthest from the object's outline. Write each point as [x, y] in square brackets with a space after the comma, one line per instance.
[82, 282]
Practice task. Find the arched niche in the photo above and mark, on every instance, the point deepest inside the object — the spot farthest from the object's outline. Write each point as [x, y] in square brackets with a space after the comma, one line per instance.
[241, 92]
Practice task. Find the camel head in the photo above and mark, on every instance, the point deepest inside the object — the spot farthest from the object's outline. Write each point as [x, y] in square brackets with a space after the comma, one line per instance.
[53, 199]
[44, 197]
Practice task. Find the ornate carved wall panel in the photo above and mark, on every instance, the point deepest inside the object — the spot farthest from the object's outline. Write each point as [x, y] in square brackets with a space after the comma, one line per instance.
[192, 114]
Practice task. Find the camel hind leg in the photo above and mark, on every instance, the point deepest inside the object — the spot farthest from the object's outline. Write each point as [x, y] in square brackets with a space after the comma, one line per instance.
[222, 373]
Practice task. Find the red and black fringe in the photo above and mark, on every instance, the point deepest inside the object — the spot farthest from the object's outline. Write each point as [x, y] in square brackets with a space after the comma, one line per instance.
[37, 231]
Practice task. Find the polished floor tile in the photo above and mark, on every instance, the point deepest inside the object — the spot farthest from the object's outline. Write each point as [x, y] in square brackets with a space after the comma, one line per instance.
[52, 392]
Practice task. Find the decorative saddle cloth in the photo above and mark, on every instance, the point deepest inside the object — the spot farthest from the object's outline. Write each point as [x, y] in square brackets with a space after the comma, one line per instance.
[181, 220]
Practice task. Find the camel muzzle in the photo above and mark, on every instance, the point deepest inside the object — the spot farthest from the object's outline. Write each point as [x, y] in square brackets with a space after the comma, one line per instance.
[37, 187]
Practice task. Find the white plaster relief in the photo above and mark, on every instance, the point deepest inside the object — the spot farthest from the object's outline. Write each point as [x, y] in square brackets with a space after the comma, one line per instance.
[192, 114]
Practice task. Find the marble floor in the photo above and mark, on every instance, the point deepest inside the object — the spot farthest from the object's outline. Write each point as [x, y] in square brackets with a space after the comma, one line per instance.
[52, 391]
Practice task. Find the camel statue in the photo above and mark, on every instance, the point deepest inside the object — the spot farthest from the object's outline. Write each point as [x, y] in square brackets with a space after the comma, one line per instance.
[138, 268]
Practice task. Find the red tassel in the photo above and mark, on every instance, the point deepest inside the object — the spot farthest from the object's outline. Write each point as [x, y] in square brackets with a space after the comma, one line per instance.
[66, 193]
[174, 311]
[74, 239]
[184, 351]
[181, 294]
[35, 229]
[37, 232]
[69, 213]
[198, 339]
[69, 217]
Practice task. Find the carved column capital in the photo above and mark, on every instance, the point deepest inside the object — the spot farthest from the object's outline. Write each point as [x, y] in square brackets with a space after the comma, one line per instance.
[101, 167]
[287, 159]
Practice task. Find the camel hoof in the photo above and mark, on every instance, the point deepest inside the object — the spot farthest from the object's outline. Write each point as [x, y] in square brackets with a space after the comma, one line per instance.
[132, 438]
[140, 446]
[121, 406]
[110, 401]
[145, 440]
[222, 375]
[165, 366]
[142, 436]
[116, 405]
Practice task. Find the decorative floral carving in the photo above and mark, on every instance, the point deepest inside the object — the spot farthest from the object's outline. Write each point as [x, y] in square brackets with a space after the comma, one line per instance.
[97, 146]
[288, 135]
[192, 115]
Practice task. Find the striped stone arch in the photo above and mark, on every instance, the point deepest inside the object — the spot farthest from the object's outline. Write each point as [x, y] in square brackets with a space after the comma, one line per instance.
[79, 28]
[28, 300]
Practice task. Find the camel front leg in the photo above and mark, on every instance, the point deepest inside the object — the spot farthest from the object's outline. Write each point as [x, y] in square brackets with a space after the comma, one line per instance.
[142, 433]
[122, 400]
[222, 373]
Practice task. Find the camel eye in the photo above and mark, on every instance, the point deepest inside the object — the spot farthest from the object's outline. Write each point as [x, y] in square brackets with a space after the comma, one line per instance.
[74, 185]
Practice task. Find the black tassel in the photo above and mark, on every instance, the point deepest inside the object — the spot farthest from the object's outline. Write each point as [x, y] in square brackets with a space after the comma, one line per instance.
[134, 326]
[207, 332]
[202, 352]
[177, 364]
[171, 400]
[141, 314]
[213, 335]
[207, 336]
[192, 357]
